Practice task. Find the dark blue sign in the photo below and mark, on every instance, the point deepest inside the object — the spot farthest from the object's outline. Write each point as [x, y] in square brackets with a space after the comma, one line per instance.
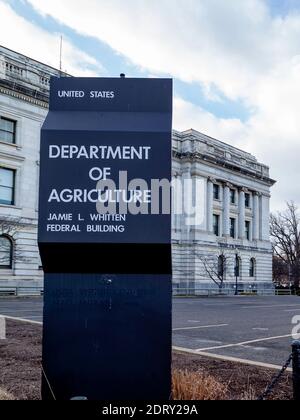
[102, 136]
[105, 239]
[111, 95]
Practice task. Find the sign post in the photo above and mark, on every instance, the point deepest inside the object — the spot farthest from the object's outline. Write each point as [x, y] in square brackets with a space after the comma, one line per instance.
[105, 239]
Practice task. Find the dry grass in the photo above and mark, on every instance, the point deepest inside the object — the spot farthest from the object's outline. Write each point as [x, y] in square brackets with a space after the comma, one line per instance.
[196, 386]
[5, 396]
[249, 394]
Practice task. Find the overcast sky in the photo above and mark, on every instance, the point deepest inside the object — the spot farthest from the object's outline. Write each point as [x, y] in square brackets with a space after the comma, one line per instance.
[235, 63]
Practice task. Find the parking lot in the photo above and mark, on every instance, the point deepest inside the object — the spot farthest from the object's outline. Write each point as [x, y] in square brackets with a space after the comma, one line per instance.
[252, 328]
[27, 308]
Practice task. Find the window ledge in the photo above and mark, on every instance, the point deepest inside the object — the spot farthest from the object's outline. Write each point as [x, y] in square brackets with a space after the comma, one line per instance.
[10, 206]
[14, 145]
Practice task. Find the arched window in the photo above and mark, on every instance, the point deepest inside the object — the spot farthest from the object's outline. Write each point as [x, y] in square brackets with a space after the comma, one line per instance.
[252, 267]
[237, 266]
[221, 266]
[6, 252]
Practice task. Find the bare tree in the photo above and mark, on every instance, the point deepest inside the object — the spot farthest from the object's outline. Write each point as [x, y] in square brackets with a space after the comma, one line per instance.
[280, 272]
[285, 234]
[9, 228]
[215, 267]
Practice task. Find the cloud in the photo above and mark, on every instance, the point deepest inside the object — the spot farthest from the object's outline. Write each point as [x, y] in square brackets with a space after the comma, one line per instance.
[226, 43]
[236, 48]
[188, 115]
[272, 140]
[20, 35]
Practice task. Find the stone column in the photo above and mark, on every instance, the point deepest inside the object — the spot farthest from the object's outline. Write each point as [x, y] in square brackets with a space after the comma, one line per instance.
[226, 210]
[255, 233]
[210, 204]
[176, 202]
[242, 211]
[264, 215]
[186, 177]
[251, 231]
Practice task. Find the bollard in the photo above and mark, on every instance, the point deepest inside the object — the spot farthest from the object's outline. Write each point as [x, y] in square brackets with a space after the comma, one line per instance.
[2, 328]
[296, 369]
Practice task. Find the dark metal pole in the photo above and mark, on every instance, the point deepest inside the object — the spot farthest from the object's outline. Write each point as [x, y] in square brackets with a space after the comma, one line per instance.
[236, 274]
[289, 270]
[296, 369]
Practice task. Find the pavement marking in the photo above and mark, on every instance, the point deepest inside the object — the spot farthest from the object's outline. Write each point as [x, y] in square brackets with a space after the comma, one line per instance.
[229, 359]
[255, 348]
[260, 329]
[226, 346]
[201, 327]
[210, 342]
[292, 310]
[218, 304]
[35, 316]
[268, 306]
[28, 321]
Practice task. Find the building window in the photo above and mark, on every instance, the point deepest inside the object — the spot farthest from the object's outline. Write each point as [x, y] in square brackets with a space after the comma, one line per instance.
[6, 253]
[237, 266]
[252, 267]
[232, 196]
[216, 224]
[7, 186]
[232, 228]
[221, 266]
[216, 192]
[7, 130]
[247, 230]
[247, 200]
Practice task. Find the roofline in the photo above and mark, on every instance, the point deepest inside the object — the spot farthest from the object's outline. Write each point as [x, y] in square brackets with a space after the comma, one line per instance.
[36, 61]
[217, 162]
[242, 152]
[192, 130]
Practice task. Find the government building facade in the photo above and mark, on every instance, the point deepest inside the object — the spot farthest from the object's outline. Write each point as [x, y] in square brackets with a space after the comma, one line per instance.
[229, 249]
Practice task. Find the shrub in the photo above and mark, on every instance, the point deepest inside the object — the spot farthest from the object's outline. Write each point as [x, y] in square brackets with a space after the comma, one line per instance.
[4, 396]
[189, 386]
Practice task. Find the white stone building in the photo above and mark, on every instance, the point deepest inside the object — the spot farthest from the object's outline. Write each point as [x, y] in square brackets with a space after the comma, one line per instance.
[235, 198]
[232, 245]
[24, 87]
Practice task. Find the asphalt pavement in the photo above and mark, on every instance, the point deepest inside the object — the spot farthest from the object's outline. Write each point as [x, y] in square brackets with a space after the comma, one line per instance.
[251, 328]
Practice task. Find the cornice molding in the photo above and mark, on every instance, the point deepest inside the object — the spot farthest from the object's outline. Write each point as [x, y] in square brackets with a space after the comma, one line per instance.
[214, 161]
[23, 97]
[11, 156]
